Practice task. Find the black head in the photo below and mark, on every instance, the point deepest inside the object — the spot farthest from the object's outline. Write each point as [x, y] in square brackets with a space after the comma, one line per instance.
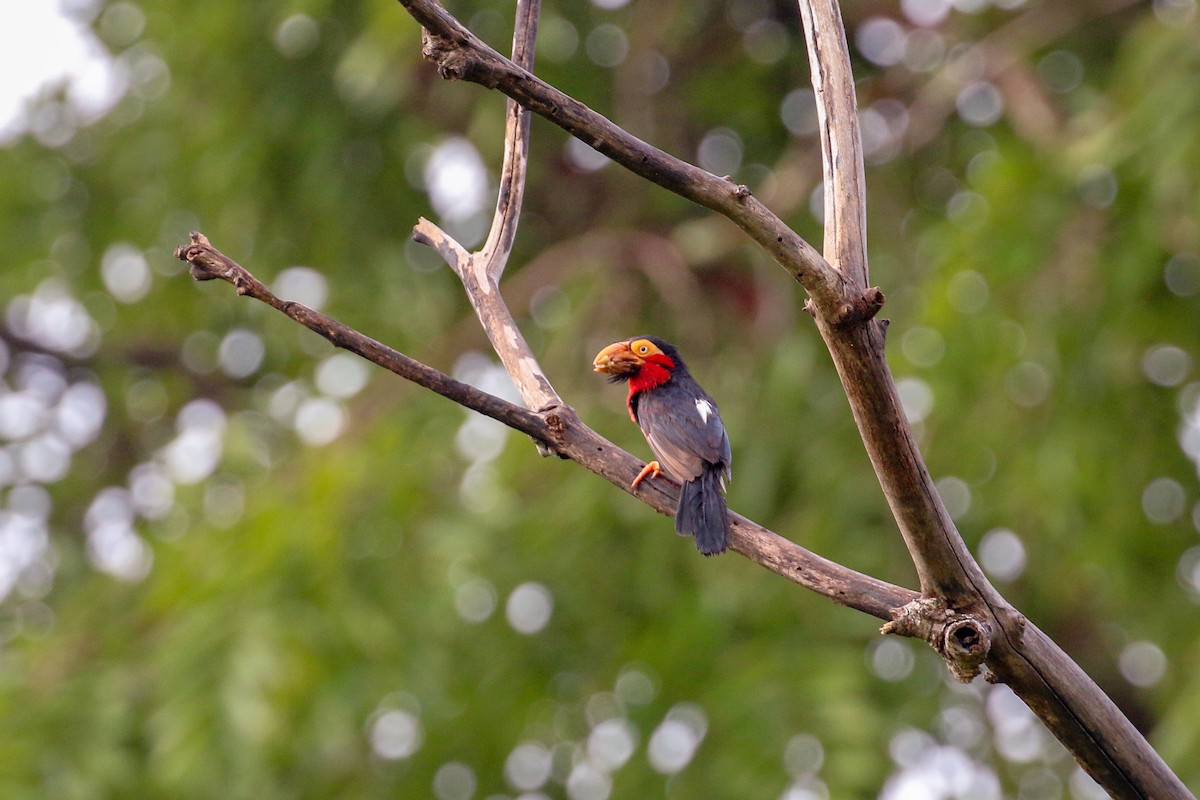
[623, 360]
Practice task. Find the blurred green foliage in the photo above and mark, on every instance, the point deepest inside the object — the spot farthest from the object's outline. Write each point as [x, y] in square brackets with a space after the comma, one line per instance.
[341, 618]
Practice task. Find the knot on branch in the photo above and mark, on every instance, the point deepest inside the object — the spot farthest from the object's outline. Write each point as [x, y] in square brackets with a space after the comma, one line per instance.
[453, 61]
[740, 190]
[853, 311]
[862, 308]
[560, 420]
[962, 640]
[206, 263]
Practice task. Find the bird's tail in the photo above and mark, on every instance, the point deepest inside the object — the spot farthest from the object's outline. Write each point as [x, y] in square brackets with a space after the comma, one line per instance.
[702, 513]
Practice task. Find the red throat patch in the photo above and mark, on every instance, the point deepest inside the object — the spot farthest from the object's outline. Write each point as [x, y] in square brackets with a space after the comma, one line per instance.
[653, 373]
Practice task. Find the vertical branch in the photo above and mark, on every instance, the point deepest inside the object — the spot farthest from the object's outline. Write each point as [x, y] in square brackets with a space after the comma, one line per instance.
[841, 144]
[944, 567]
[480, 271]
[1083, 718]
[494, 254]
[957, 598]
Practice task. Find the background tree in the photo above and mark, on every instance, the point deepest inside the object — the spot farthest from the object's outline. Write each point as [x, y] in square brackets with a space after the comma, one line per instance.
[286, 637]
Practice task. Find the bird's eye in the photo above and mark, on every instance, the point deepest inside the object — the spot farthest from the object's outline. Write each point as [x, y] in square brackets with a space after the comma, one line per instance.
[643, 349]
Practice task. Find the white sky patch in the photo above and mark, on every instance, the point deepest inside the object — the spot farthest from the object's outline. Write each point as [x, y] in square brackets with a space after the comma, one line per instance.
[41, 48]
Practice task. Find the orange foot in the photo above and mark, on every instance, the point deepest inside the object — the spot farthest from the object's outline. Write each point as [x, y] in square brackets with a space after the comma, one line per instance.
[651, 470]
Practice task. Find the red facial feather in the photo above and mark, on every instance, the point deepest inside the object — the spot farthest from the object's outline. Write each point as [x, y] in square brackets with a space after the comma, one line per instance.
[653, 373]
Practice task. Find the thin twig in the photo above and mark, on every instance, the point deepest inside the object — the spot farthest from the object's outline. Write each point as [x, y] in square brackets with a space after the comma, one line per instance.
[560, 430]
[480, 271]
[462, 55]
[495, 251]
[208, 263]
[1071, 706]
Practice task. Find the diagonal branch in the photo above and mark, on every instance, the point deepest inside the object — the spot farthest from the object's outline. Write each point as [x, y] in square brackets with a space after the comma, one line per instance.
[208, 263]
[982, 628]
[480, 271]
[1083, 718]
[559, 430]
[462, 55]
[944, 567]
[960, 613]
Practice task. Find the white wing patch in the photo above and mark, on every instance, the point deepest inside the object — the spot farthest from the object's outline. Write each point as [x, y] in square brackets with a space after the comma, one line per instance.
[705, 408]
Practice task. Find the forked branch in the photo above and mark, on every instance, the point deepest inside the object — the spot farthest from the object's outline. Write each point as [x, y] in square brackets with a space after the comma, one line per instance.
[959, 612]
[975, 624]
[560, 432]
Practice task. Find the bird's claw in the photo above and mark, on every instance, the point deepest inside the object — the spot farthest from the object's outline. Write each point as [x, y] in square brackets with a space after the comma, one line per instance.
[651, 470]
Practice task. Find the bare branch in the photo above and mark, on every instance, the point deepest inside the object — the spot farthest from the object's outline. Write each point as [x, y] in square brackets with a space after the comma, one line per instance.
[208, 263]
[461, 55]
[560, 430]
[964, 609]
[960, 613]
[480, 272]
[500, 238]
[944, 566]
[964, 640]
[841, 145]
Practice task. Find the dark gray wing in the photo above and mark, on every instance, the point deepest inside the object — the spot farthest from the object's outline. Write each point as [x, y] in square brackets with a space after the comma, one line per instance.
[684, 429]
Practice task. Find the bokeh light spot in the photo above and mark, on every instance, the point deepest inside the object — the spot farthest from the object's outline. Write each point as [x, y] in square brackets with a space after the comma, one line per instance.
[395, 733]
[125, 273]
[1163, 500]
[980, 104]
[967, 291]
[803, 755]
[1182, 274]
[916, 397]
[302, 285]
[342, 376]
[240, 353]
[720, 151]
[529, 608]
[1002, 554]
[881, 41]
[798, 111]
[956, 495]
[672, 746]
[454, 781]
[558, 39]
[922, 346]
[527, 767]
[583, 157]
[1028, 384]
[586, 782]
[891, 659]
[1166, 365]
[635, 686]
[296, 36]
[475, 600]
[607, 45]
[766, 42]
[319, 421]
[611, 744]
[1142, 663]
[1061, 71]
[456, 179]
[926, 13]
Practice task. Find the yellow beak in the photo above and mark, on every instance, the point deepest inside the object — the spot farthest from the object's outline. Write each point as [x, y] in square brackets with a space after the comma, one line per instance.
[616, 359]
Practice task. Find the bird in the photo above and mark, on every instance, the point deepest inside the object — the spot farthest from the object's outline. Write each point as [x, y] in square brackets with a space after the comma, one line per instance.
[684, 429]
